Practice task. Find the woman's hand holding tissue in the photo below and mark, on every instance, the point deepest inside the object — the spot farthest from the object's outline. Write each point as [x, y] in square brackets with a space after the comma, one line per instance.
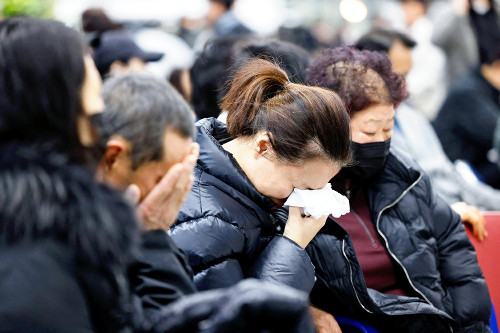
[317, 205]
[302, 229]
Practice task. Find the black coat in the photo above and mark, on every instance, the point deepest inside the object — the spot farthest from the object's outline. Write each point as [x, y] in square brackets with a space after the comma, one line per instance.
[226, 226]
[72, 259]
[63, 256]
[466, 123]
[428, 244]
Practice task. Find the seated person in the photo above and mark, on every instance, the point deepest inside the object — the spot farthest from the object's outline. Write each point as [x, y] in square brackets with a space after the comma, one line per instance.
[414, 135]
[466, 122]
[149, 154]
[275, 140]
[148, 130]
[401, 258]
[115, 52]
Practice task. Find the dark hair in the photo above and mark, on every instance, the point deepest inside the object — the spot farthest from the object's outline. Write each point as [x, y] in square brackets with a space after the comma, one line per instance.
[41, 75]
[361, 78]
[176, 80]
[140, 107]
[96, 20]
[227, 3]
[300, 36]
[302, 122]
[293, 59]
[381, 40]
[210, 71]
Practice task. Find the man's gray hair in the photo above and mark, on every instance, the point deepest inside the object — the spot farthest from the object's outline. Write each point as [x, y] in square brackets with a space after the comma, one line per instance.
[140, 107]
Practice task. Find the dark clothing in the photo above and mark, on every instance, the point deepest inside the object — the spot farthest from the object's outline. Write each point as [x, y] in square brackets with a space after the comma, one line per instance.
[248, 307]
[378, 270]
[426, 240]
[466, 123]
[229, 24]
[161, 274]
[69, 265]
[62, 253]
[226, 227]
[39, 290]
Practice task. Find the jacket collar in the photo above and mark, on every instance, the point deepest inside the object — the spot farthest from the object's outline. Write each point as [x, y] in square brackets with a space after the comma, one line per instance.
[221, 164]
[398, 174]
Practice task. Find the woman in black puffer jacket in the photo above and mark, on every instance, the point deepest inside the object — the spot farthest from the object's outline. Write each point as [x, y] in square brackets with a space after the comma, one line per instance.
[279, 136]
[401, 259]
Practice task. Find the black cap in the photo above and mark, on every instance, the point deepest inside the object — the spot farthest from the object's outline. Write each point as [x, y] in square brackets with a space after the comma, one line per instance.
[112, 46]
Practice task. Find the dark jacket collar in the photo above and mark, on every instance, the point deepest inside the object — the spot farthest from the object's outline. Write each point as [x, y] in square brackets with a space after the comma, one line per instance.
[398, 175]
[219, 163]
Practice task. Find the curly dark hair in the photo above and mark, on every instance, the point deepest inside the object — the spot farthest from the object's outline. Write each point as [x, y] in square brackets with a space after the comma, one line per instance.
[361, 78]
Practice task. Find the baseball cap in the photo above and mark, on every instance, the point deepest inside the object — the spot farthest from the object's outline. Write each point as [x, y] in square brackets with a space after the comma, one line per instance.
[116, 45]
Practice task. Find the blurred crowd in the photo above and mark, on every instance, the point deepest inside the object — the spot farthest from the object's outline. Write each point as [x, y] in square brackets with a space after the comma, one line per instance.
[198, 181]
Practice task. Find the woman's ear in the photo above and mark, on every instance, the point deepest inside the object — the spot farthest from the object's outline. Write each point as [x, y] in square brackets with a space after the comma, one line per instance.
[263, 144]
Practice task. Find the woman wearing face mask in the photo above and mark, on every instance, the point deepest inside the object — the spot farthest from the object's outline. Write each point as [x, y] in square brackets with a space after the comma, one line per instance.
[279, 136]
[401, 258]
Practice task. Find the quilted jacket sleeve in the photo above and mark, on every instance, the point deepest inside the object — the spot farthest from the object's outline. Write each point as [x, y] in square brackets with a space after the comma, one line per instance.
[459, 268]
[285, 262]
[214, 247]
[217, 248]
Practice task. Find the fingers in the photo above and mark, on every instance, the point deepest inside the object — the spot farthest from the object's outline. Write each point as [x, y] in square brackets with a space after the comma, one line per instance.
[166, 185]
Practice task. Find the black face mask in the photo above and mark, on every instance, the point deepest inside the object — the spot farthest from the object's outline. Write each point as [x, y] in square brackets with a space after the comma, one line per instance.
[369, 159]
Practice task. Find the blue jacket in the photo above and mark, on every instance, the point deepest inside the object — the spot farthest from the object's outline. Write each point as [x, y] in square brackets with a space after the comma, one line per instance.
[427, 242]
[226, 226]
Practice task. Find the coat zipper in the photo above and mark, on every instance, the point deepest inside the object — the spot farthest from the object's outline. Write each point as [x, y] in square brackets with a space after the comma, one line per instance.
[360, 220]
[351, 276]
[387, 243]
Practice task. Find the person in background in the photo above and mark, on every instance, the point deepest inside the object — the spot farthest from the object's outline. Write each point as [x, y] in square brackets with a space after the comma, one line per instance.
[221, 17]
[208, 74]
[414, 135]
[466, 122]
[222, 56]
[427, 79]
[453, 33]
[114, 52]
[95, 20]
[279, 136]
[401, 259]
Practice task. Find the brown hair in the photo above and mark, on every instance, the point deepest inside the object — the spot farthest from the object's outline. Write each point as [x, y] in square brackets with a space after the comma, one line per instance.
[302, 122]
[361, 78]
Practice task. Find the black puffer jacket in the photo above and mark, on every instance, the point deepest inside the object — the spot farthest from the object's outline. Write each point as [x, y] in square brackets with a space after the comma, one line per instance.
[426, 240]
[226, 226]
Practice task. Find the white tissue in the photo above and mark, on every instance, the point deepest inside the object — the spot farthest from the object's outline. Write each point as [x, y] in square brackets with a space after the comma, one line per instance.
[321, 202]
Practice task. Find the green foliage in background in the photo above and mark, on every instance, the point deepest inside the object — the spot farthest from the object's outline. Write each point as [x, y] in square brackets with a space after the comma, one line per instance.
[38, 8]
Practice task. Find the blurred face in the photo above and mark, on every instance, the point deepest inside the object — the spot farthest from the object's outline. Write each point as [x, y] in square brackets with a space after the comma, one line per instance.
[400, 57]
[412, 9]
[134, 64]
[215, 10]
[92, 102]
[373, 124]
